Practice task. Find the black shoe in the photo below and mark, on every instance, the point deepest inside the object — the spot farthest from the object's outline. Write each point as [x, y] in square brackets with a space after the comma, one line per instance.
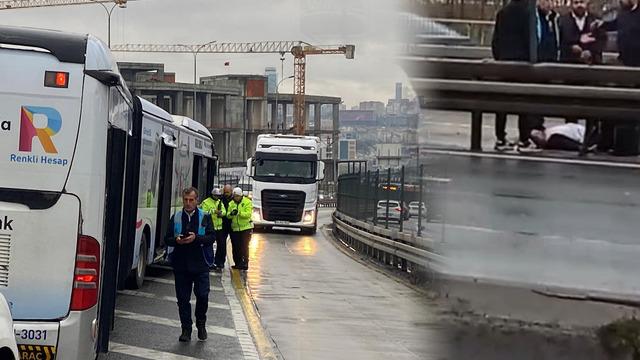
[202, 332]
[503, 145]
[185, 336]
[213, 268]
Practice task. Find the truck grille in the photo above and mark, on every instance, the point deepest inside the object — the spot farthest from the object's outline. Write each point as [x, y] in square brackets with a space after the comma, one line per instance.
[5, 256]
[282, 205]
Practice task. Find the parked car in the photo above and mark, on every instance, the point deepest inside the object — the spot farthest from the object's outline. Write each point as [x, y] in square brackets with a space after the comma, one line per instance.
[395, 211]
[414, 209]
[8, 346]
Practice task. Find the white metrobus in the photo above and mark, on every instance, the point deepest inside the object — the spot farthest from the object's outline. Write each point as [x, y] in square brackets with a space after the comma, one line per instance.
[89, 176]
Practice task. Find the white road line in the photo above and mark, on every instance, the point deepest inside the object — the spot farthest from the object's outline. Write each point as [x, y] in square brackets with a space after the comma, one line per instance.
[167, 298]
[146, 353]
[242, 328]
[169, 268]
[172, 282]
[534, 158]
[219, 330]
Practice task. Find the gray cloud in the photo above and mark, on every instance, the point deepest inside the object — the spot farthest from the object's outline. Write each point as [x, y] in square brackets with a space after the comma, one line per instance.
[369, 24]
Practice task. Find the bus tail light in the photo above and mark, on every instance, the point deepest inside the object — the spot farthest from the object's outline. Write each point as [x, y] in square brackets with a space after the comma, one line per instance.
[86, 275]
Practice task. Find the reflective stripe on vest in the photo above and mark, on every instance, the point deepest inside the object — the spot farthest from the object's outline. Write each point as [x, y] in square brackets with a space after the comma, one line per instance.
[177, 225]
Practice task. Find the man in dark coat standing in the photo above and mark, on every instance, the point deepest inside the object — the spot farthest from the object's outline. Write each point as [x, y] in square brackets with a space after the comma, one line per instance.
[511, 38]
[578, 43]
[190, 232]
[627, 24]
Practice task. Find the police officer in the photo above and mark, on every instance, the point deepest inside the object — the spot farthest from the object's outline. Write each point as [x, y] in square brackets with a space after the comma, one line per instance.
[221, 236]
[214, 206]
[190, 232]
[239, 212]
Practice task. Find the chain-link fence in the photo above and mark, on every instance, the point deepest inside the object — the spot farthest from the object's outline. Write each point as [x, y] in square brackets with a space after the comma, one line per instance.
[392, 198]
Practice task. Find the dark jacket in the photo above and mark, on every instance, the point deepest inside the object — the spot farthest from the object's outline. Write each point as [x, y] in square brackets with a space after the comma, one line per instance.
[548, 42]
[627, 24]
[189, 257]
[511, 34]
[570, 35]
[226, 222]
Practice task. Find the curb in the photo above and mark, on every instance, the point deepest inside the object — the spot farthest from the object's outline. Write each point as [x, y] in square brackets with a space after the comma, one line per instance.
[267, 349]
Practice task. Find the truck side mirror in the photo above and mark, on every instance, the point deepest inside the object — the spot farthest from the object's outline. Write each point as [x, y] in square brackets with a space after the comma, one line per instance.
[250, 170]
[320, 175]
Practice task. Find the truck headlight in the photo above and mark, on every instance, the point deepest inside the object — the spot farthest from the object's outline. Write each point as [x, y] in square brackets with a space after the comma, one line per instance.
[309, 217]
[256, 216]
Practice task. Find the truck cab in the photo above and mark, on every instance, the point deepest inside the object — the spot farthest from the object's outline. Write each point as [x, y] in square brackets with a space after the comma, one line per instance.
[286, 170]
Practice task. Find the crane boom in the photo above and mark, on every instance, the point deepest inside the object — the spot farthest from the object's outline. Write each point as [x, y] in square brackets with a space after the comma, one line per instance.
[258, 47]
[298, 49]
[23, 4]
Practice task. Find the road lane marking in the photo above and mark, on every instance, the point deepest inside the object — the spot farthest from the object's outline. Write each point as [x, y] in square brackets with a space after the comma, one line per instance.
[242, 328]
[212, 329]
[167, 298]
[146, 353]
[172, 282]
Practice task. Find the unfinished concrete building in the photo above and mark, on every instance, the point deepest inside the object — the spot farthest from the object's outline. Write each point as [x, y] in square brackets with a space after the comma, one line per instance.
[235, 108]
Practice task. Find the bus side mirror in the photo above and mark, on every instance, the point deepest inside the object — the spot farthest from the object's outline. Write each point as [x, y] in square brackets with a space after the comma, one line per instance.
[320, 175]
[250, 169]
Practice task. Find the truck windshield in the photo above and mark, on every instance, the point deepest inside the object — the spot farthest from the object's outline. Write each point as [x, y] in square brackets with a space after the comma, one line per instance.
[285, 171]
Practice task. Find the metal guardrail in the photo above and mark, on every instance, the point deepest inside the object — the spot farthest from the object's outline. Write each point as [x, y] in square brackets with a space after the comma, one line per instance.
[469, 52]
[547, 89]
[391, 247]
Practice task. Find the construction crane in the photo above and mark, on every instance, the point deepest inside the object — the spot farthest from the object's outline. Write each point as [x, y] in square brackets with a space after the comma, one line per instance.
[24, 4]
[298, 49]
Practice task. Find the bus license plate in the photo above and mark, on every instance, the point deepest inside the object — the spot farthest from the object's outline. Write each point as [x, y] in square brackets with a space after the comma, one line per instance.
[35, 352]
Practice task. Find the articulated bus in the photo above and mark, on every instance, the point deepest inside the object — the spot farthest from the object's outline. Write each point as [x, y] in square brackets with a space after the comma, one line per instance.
[89, 177]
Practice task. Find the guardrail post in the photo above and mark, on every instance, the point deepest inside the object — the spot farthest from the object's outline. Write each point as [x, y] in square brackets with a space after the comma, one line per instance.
[402, 199]
[421, 198]
[375, 198]
[476, 131]
[386, 226]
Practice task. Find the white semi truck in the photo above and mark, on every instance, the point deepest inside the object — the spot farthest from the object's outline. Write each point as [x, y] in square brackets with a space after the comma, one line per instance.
[286, 170]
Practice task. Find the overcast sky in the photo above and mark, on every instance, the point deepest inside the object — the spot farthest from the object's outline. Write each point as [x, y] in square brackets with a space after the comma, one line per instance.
[369, 24]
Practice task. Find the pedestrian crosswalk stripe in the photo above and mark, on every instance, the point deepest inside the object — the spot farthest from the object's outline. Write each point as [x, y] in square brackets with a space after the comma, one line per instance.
[212, 329]
[172, 282]
[146, 353]
[167, 298]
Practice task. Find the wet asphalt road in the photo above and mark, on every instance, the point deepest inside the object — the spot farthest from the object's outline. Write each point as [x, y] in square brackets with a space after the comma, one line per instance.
[318, 303]
[556, 224]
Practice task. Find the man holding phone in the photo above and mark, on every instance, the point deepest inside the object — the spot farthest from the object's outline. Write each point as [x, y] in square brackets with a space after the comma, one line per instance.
[190, 232]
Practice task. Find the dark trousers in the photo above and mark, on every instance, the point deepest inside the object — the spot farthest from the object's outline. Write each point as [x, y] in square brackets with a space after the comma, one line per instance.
[221, 245]
[561, 142]
[240, 245]
[199, 284]
[526, 123]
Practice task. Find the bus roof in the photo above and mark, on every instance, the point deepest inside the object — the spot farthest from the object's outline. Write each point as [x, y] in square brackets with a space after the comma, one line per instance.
[152, 109]
[192, 125]
[66, 47]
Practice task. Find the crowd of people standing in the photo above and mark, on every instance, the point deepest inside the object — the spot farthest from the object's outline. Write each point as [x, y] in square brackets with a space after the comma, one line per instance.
[578, 37]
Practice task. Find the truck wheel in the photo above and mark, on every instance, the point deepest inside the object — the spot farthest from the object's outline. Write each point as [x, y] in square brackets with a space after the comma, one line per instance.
[136, 278]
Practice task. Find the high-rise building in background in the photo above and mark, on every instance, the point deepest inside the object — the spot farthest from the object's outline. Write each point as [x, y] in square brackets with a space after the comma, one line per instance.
[398, 91]
[377, 106]
[272, 79]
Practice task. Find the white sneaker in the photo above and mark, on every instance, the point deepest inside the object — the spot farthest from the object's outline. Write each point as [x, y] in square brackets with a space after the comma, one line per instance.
[528, 147]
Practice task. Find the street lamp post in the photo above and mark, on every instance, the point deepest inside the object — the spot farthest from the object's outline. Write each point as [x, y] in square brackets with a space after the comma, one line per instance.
[119, 3]
[277, 87]
[195, 73]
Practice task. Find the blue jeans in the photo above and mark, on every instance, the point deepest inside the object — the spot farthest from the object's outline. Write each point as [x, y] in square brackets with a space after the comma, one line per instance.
[199, 284]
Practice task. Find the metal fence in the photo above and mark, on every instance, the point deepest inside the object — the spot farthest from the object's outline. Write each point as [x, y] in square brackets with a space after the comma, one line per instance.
[364, 195]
